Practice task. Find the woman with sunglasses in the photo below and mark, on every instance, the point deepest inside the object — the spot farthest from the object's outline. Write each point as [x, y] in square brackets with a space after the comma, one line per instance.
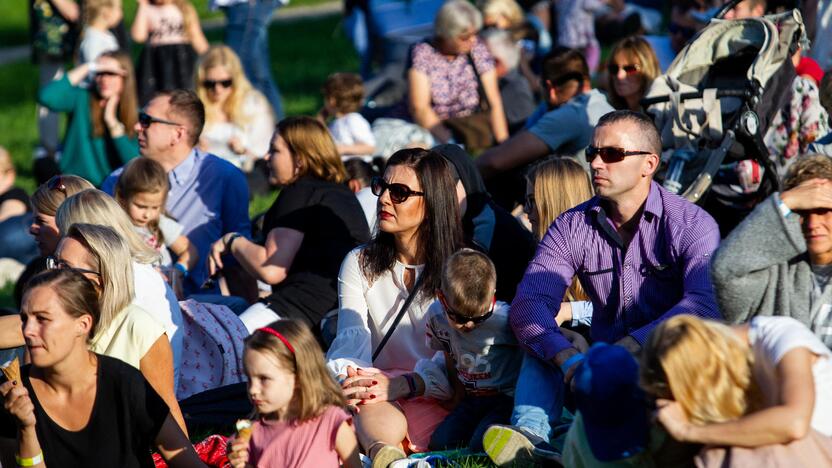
[73, 407]
[308, 230]
[632, 68]
[238, 119]
[394, 390]
[100, 136]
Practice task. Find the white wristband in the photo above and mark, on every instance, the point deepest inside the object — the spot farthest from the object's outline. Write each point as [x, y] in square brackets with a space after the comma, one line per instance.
[92, 67]
[784, 209]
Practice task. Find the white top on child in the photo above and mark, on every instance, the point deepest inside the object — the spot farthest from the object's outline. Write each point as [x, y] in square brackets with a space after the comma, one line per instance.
[94, 43]
[352, 129]
[366, 313]
[771, 338]
[488, 358]
[171, 230]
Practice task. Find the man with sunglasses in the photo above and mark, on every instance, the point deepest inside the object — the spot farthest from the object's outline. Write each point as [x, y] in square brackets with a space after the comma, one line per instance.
[208, 195]
[563, 127]
[641, 253]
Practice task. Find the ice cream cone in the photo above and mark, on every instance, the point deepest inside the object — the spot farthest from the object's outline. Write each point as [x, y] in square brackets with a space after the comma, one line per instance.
[12, 370]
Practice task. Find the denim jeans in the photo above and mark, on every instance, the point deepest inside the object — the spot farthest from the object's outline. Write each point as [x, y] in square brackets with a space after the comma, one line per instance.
[538, 397]
[247, 33]
[466, 424]
[355, 26]
[15, 240]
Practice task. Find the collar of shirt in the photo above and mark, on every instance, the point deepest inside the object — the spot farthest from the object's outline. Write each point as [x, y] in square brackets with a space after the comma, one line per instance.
[181, 174]
[653, 208]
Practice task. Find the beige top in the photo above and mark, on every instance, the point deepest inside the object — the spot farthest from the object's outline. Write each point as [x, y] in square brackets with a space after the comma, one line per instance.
[129, 336]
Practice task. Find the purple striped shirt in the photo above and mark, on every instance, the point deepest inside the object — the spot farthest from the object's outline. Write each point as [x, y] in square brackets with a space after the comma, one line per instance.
[663, 272]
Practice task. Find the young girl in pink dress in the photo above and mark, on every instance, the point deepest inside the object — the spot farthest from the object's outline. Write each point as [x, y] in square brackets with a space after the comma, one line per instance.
[301, 419]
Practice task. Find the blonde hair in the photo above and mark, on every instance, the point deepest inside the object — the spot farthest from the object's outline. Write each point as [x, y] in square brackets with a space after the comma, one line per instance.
[312, 148]
[46, 201]
[223, 56]
[5, 160]
[143, 175]
[96, 207]
[508, 9]
[315, 389]
[469, 281]
[703, 366]
[114, 266]
[642, 51]
[93, 9]
[559, 185]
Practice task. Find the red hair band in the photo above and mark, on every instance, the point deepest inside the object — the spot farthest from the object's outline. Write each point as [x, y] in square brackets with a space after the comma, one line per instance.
[272, 331]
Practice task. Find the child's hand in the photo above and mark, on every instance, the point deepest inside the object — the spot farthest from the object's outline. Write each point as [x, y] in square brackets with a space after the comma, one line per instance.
[238, 453]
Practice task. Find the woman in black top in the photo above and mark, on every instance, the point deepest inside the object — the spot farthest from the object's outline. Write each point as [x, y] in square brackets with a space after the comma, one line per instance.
[310, 228]
[74, 408]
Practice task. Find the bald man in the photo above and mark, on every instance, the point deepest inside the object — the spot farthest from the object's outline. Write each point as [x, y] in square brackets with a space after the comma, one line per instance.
[642, 255]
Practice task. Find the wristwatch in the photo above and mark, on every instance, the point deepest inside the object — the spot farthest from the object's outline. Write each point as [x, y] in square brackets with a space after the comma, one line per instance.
[231, 240]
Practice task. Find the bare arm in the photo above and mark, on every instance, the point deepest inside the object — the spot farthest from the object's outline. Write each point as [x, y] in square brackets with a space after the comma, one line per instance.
[519, 150]
[357, 148]
[11, 332]
[157, 367]
[418, 86]
[346, 444]
[781, 424]
[186, 252]
[12, 208]
[269, 263]
[68, 9]
[499, 126]
[195, 34]
[173, 445]
[140, 29]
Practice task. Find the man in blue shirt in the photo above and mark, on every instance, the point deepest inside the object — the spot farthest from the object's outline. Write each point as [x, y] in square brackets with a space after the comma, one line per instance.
[208, 195]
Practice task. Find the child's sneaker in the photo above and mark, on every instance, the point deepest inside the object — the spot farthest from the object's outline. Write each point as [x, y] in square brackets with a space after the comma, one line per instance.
[510, 445]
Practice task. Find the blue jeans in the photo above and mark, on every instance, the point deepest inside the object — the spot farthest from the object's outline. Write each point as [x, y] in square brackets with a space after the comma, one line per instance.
[466, 424]
[538, 397]
[247, 33]
[355, 26]
[15, 240]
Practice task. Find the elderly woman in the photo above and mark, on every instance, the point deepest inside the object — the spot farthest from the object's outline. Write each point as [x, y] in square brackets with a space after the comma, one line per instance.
[631, 69]
[100, 136]
[74, 407]
[452, 76]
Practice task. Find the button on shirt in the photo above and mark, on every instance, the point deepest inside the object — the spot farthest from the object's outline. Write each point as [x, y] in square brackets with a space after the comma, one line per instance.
[663, 272]
[209, 197]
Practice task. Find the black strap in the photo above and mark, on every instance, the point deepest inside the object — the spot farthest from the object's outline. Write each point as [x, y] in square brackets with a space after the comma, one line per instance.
[413, 292]
[485, 104]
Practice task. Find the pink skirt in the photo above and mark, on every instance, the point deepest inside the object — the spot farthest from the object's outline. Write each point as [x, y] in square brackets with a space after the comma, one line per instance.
[423, 416]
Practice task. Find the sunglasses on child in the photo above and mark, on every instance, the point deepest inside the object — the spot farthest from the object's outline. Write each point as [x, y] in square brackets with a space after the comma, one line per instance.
[462, 319]
[610, 154]
[146, 121]
[398, 192]
[613, 69]
[211, 84]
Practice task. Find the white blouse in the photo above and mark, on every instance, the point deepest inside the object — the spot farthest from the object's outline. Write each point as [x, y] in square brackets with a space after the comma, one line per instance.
[155, 296]
[255, 135]
[365, 314]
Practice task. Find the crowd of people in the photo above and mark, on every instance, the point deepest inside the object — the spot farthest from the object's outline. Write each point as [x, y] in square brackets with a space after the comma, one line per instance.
[491, 264]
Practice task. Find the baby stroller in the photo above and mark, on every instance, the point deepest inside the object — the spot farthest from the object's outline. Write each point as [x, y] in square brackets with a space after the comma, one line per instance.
[714, 105]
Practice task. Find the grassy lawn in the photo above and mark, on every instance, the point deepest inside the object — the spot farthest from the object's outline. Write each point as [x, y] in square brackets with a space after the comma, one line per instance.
[14, 17]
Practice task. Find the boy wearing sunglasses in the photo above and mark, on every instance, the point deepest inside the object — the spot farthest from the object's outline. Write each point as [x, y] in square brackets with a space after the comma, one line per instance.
[471, 328]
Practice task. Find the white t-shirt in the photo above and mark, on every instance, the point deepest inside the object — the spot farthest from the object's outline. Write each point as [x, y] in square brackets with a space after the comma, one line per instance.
[771, 338]
[95, 43]
[171, 230]
[369, 204]
[156, 297]
[352, 129]
[255, 134]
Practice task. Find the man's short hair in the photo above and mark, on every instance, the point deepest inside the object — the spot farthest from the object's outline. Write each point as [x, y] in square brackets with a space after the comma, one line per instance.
[562, 65]
[646, 128]
[469, 280]
[810, 166]
[185, 104]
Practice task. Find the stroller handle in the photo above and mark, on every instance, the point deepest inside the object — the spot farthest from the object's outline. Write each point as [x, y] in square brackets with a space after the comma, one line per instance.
[743, 93]
[724, 9]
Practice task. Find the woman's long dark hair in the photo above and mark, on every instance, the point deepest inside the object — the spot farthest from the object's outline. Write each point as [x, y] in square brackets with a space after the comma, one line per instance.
[440, 233]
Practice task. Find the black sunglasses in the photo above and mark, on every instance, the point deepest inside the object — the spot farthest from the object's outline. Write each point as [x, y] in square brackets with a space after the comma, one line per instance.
[107, 73]
[398, 192]
[613, 69]
[610, 154]
[211, 84]
[53, 263]
[462, 319]
[146, 121]
[57, 183]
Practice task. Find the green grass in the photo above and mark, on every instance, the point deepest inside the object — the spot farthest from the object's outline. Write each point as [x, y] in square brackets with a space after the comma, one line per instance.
[14, 17]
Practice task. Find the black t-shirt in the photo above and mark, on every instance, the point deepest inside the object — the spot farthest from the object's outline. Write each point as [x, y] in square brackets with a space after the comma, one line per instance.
[126, 418]
[332, 223]
[16, 193]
